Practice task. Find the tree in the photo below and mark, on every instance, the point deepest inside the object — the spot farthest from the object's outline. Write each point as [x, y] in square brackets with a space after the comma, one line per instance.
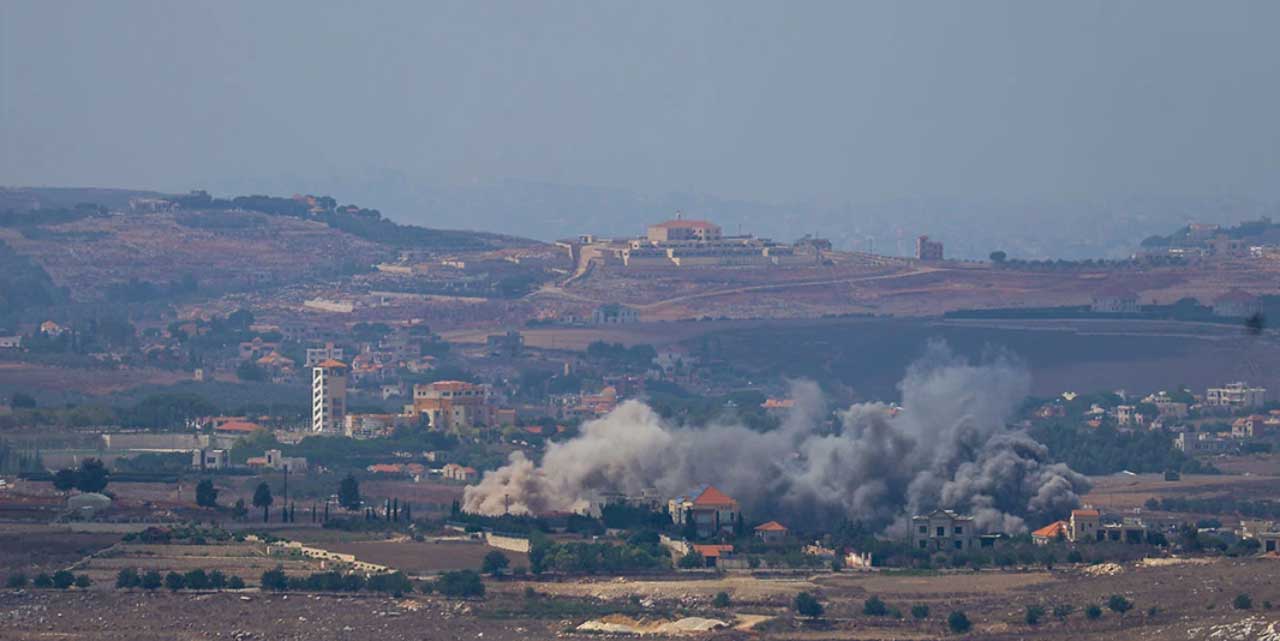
[874, 607]
[722, 600]
[806, 605]
[174, 581]
[239, 511]
[83, 581]
[349, 493]
[196, 579]
[43, 581]
[275, 580]
[63, 579]
[1242, 602]
[128, 578]
[16, 581]
[217, 580]
[235, 583]
[206, 494]
[998, 257]
[22, 401]
[1062, 611]
[958, 622]
[152, 580]
[92, 476]
[919, 611]
[462, 583]
[1093, 612]
[262, 498]
[1034, 614]
[691, 561]
[64, 479]
[1119, 604]
[494, 563]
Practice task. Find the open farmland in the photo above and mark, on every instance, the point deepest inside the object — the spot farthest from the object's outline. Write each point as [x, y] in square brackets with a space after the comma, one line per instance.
[423, 557]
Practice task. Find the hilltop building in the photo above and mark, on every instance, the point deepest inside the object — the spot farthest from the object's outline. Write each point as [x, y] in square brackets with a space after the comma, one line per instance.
[1236, 395]
[689, 243]
[328, 396]
[452, 405]
[928, 250]
[710, 510]
[613, 314]
[943, 530]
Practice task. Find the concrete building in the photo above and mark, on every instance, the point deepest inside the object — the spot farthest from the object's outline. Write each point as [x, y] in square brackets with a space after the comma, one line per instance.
[276, 460]
[614, 314]
[1085, 525]
[710, 510]
[683, 230]
[929, 250]
[328, 396]
[1056, 531]
[771, 532]
[456, 472]
[1128, 530]
[1193, 443]
[11, 342]
[210, 459]
[1237, 304]
[453, 405]
[508, 345]
[1236, 396]
[1266, 533]
[943, 531]
[316, 355]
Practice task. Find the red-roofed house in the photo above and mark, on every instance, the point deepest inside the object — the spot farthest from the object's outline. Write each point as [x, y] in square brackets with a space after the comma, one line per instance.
[386, 468]
[709, 509]
[771, 532]
[1050, 533]
[711, 553]
[237, 428]
[455, 472]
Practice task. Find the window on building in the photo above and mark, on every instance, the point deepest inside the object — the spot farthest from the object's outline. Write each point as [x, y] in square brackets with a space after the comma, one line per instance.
[924, 529]
[942, 531]
[959, 545]
[959, 529]
[924, 544]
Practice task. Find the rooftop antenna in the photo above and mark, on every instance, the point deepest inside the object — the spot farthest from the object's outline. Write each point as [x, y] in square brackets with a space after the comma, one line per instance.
[679, 215]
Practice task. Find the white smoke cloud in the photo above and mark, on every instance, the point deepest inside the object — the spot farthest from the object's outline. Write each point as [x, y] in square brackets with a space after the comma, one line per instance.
[949, 447]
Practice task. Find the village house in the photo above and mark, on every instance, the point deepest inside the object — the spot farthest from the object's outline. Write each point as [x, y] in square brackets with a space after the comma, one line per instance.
[1192, 443]
[452, 405]
[1266, 533]
[1254, 426]
[710, 510]
[943, 530]
[1056, 531]
[1235, 396]
[210, 459]
[713, 554]
[1085, 525]
[11, 342]
[456, 472]
[771, 532]
[614, 314]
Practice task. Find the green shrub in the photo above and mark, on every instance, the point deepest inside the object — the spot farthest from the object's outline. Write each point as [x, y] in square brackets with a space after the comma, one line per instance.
[275, 580]
[174, 581]
[919, 611]
[874, 607]
[16, 581]
[1034, 614]
[43, 581]
[63, 579]
[1119, 604]
[958, 622]
[83, 581]
[235, 583]
[722, 600]
[152, 580]
[128, 578]
[462, 583]
[1093, 612]
[806, 605]
[1242, 602]
[1062, 611]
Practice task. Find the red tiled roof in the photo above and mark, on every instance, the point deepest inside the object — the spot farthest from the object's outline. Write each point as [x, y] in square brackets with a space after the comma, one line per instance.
[242, 427]
[1051, 531]
[713, 550]
[385, 468]
[711, 497]
[1085, 512]
[771, 526]
[331, 363]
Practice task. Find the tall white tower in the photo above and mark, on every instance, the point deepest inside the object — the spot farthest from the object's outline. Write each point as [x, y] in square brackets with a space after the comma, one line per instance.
[328, 396]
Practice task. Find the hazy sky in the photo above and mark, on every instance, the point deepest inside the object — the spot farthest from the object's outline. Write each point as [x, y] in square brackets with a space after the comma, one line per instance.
[768, 101]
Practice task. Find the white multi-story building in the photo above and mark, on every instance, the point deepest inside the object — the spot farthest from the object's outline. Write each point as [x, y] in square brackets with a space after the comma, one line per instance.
[328, 396]
[1238, 395]
[316, 355]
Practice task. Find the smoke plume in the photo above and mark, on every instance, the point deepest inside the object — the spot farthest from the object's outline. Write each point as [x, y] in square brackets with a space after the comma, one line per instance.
[947, 447]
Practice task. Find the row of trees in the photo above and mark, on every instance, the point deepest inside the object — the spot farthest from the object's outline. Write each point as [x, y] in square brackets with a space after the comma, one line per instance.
[62, 580]
[91, 476]
[197, 579]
